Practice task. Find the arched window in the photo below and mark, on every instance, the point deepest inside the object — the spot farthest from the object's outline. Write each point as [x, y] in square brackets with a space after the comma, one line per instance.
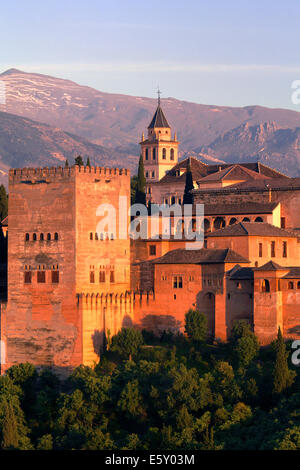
[172, 154]
[48, 236]
[164, 153]
[258, 219]
[27, 237]
[92, 277]
[232, 221]
[146, 154]
[219, 222]
[91, 235]
[298, 285]
[154, 154]
[173, 200]
[34, 237]
[246, 219]
[265, 285]
[96, 236]
[291, 285]
[56, 236]
[41, 237]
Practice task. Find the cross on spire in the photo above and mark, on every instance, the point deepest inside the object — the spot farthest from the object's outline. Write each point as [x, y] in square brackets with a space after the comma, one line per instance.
[158, 95]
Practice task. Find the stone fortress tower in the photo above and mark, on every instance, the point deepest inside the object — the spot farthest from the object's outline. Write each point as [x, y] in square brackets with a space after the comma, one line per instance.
[65, 280]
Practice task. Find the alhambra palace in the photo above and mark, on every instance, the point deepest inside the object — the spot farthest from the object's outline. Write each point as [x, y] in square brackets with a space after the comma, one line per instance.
[65, 287]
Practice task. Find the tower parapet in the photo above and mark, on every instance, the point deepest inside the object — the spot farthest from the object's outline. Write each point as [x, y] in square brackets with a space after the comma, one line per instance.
[54, 174]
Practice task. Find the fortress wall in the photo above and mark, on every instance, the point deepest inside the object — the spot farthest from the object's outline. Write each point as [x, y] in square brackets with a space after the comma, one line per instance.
[94, 188]
[42, 324]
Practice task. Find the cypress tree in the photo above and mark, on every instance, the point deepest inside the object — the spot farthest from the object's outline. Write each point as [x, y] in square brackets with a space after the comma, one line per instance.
[9, 429]
[283, 377]
[188, 197]
[3, 202]
[88, 163]
[79, 161]
[140, 194]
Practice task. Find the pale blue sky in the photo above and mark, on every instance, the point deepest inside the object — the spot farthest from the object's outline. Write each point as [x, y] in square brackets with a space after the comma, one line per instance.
[225, 52]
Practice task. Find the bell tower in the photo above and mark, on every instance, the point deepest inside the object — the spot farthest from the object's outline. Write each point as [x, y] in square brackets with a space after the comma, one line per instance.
[159, 150]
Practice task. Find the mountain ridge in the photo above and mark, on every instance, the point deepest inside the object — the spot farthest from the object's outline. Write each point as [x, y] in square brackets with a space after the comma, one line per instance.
[115, 122]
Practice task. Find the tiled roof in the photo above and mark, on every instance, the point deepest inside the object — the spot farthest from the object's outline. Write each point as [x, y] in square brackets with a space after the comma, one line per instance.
[201, 170]
[252, 229]
[203, 256]
[294, 273]
[198, 169]
[238, 273]
[254, 166]
[243, 208]
[271, 266]
[234, 172]
[270, 183]
[159, 119]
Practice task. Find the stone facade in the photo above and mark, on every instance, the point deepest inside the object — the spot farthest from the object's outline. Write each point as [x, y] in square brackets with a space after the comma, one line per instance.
[54, 256]
[71, 285]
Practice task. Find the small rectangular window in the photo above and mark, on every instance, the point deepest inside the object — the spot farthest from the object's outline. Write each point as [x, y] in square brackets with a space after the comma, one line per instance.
[55, 277]
[282, 222]
[102, 276]
[260, 249]
[273, 249]
[112, 276]
[152, 250]
[177, 282]
[41, 277]
[284, 249]
[92, 277]
[27, 277]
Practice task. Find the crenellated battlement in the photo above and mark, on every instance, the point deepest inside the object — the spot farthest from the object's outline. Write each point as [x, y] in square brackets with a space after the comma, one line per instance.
[54, 174]
[97, 170]
[112, 298]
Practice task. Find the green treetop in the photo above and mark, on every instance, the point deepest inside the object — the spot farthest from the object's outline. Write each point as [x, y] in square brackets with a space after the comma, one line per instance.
[79, 161]
[187, 196]
[127, 342]
[3, 202]
[140, 194]
[283, 377]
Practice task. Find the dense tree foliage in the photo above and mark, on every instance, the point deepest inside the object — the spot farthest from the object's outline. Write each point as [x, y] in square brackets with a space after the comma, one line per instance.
[79, 161]
[3, 202]
[189, 186]
[196, 325]
[283, 377]
[127, 342]
[140, 194]
[175, 394]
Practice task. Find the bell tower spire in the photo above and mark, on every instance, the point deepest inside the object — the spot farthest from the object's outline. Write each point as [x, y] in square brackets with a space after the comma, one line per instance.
[160, 149]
